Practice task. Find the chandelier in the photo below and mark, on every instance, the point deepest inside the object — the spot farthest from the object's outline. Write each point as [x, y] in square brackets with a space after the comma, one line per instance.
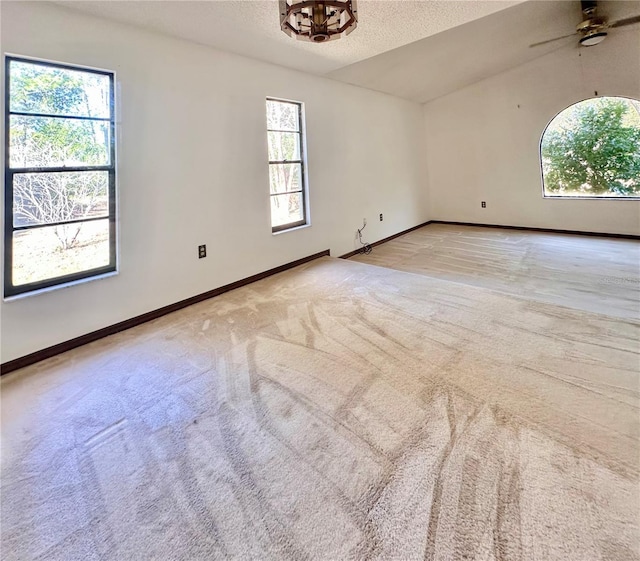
[318, 20]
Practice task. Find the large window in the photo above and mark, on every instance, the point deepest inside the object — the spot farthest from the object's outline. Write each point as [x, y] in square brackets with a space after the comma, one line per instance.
[592, 150]
[59, 174]
[287, 187]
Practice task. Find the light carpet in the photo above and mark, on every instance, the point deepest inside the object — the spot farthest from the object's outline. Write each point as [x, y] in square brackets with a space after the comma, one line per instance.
[591, 273]
[338, 411]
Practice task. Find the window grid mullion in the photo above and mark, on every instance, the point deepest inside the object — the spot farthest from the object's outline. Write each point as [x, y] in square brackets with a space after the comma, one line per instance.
[56, 116]
[61, 223]
[59, 169]
[282, 130]
[285, 193]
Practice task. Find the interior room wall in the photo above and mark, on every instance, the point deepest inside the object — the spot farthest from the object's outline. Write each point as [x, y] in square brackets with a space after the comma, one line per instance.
[483, 140]
[192, 169]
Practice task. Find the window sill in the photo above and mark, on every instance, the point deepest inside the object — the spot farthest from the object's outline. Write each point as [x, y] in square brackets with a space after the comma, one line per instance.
[59, 286]
[290, 229]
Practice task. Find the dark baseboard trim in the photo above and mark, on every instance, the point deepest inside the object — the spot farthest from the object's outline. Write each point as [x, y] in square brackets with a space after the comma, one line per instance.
[65, 346]
[532, 229]
[478, 225]
[384, 240]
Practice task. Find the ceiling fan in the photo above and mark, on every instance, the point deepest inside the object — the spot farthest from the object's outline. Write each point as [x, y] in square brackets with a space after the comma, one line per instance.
[593, 29]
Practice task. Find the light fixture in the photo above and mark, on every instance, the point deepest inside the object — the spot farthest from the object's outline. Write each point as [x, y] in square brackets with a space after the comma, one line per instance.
[318, 21]
[593, 38]
[593, 28]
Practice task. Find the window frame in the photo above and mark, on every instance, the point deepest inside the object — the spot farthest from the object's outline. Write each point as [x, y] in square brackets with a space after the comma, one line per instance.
[10, 289]
[577, 197]
[302, 162]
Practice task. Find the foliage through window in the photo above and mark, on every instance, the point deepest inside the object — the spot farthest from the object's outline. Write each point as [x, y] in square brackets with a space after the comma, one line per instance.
[59, 174]
[592, 149]
[285, 139]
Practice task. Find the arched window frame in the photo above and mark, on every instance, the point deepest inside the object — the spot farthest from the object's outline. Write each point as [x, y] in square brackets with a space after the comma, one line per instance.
[578, 197]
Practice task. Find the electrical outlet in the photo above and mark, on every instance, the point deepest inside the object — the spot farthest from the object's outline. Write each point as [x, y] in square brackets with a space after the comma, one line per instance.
[202, 251]
[381, 217]
[483, 204]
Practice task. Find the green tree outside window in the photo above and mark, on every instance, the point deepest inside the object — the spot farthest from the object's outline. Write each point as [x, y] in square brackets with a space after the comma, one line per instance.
[592, 149]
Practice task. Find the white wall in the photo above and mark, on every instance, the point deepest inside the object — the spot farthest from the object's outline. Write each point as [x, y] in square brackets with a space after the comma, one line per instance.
[192, 169]
[483, 140]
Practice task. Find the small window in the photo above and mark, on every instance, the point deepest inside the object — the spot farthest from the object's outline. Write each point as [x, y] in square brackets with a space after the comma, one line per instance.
[592, 150]
[59, 175]
[287, 182]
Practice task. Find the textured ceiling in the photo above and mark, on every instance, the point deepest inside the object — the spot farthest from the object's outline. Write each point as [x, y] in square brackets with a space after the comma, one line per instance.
[252, 28]
[417, 50]
[448, 61]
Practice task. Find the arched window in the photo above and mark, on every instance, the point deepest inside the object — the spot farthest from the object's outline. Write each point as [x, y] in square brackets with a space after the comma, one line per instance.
[592, 150]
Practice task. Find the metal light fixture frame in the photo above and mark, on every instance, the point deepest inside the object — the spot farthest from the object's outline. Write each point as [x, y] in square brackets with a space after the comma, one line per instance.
[318, 21]
[593, 30]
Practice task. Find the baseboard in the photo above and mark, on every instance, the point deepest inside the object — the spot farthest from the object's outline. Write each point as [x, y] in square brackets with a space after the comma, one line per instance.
[384, 240]
[532, 229]
[65, 346]
[478, 225]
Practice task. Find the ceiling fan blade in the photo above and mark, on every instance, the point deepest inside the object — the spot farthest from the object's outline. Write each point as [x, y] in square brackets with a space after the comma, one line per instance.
[552, 40]
[625, 21]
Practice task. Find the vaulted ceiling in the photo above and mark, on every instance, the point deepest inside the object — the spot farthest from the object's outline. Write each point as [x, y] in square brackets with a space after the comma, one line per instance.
[418, 50]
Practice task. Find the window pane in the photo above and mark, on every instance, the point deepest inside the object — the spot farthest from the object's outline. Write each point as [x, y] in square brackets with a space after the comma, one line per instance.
[43, 198]
[285, 177]
[283, 116]
[592, 149]
[51, 142]
[286, 209]
[37, 88]
[284, 146]
[53, 251]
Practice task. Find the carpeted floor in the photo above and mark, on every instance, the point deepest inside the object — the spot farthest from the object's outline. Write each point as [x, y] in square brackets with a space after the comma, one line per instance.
[595, 274]
[336, 411]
